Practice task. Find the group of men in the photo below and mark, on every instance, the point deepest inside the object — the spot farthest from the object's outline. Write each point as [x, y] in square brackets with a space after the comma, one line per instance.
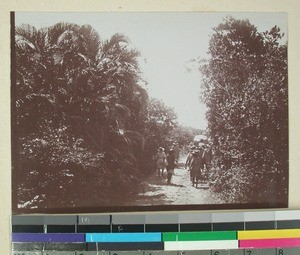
[167, 160]
[198, 162]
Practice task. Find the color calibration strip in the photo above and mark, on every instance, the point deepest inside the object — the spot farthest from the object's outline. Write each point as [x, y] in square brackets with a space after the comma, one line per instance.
[266, 232]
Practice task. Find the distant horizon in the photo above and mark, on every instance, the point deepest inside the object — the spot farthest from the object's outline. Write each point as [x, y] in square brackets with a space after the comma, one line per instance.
[167, 43]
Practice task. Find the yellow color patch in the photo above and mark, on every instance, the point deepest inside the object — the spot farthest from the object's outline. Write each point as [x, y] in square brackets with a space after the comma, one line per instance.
[268, 234]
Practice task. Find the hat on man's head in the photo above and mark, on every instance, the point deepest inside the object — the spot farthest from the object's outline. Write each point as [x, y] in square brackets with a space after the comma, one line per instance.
[171, 150]
[195, 152]
[202, 145]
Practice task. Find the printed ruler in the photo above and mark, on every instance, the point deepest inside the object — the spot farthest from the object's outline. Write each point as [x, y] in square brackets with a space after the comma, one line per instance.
[240, 233]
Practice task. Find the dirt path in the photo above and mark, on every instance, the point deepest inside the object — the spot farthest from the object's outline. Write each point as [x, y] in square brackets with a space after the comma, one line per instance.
[180, 192]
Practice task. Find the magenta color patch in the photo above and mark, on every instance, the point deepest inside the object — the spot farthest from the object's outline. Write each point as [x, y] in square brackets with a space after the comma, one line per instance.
[270, 243]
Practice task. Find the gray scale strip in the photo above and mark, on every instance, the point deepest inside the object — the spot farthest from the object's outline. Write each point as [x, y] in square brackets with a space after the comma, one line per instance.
[186, 218]
[287, 215]
[161, 219]
[260, 216]
[128, 219]
[278, 251]
[228, 217]
[27, 220]
[94, 219]
[44, 220]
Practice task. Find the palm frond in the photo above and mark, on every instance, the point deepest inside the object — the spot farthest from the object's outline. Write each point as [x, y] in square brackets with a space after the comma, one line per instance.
[137, 137]
[25, 36]
[123, 111]
[54, 32]
[91, 40]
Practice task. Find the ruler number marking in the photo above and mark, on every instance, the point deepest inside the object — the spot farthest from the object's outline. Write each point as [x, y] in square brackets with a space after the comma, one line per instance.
[85, 220]
[280, 252]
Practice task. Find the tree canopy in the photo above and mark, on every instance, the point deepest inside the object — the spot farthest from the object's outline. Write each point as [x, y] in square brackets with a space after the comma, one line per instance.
[245, 88]
[80, 110]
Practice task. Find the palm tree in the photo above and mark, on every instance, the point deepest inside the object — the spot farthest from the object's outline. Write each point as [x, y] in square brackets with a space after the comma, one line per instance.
[71, 87]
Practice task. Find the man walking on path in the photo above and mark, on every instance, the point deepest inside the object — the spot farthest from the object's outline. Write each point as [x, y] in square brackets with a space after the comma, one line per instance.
[176, 151]
[189, 159]
[195, 168]
[171, 164]
[160, 161]
[203, 154]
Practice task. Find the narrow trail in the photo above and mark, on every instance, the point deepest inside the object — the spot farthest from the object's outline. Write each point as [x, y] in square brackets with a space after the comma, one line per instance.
[180, 192]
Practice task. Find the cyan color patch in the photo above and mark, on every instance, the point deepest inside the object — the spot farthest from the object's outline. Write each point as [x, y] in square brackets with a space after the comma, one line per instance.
[123, 237]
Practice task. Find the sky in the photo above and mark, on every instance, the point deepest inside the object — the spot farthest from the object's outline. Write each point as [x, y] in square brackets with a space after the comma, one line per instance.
[167, 42]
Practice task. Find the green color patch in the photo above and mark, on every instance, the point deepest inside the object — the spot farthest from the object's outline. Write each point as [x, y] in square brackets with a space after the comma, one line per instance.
[199, 236]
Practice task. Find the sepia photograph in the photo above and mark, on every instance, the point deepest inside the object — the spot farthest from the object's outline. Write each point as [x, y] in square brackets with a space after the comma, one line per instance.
[148, 111]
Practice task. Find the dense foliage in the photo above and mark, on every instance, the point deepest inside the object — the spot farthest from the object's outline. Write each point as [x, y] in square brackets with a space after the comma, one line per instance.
[184, 136]
[80, 117]
[245, 89]
[160, 121]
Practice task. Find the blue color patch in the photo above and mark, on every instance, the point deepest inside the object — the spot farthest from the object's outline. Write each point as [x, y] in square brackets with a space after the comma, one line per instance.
[123, 237]
[62, 238]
